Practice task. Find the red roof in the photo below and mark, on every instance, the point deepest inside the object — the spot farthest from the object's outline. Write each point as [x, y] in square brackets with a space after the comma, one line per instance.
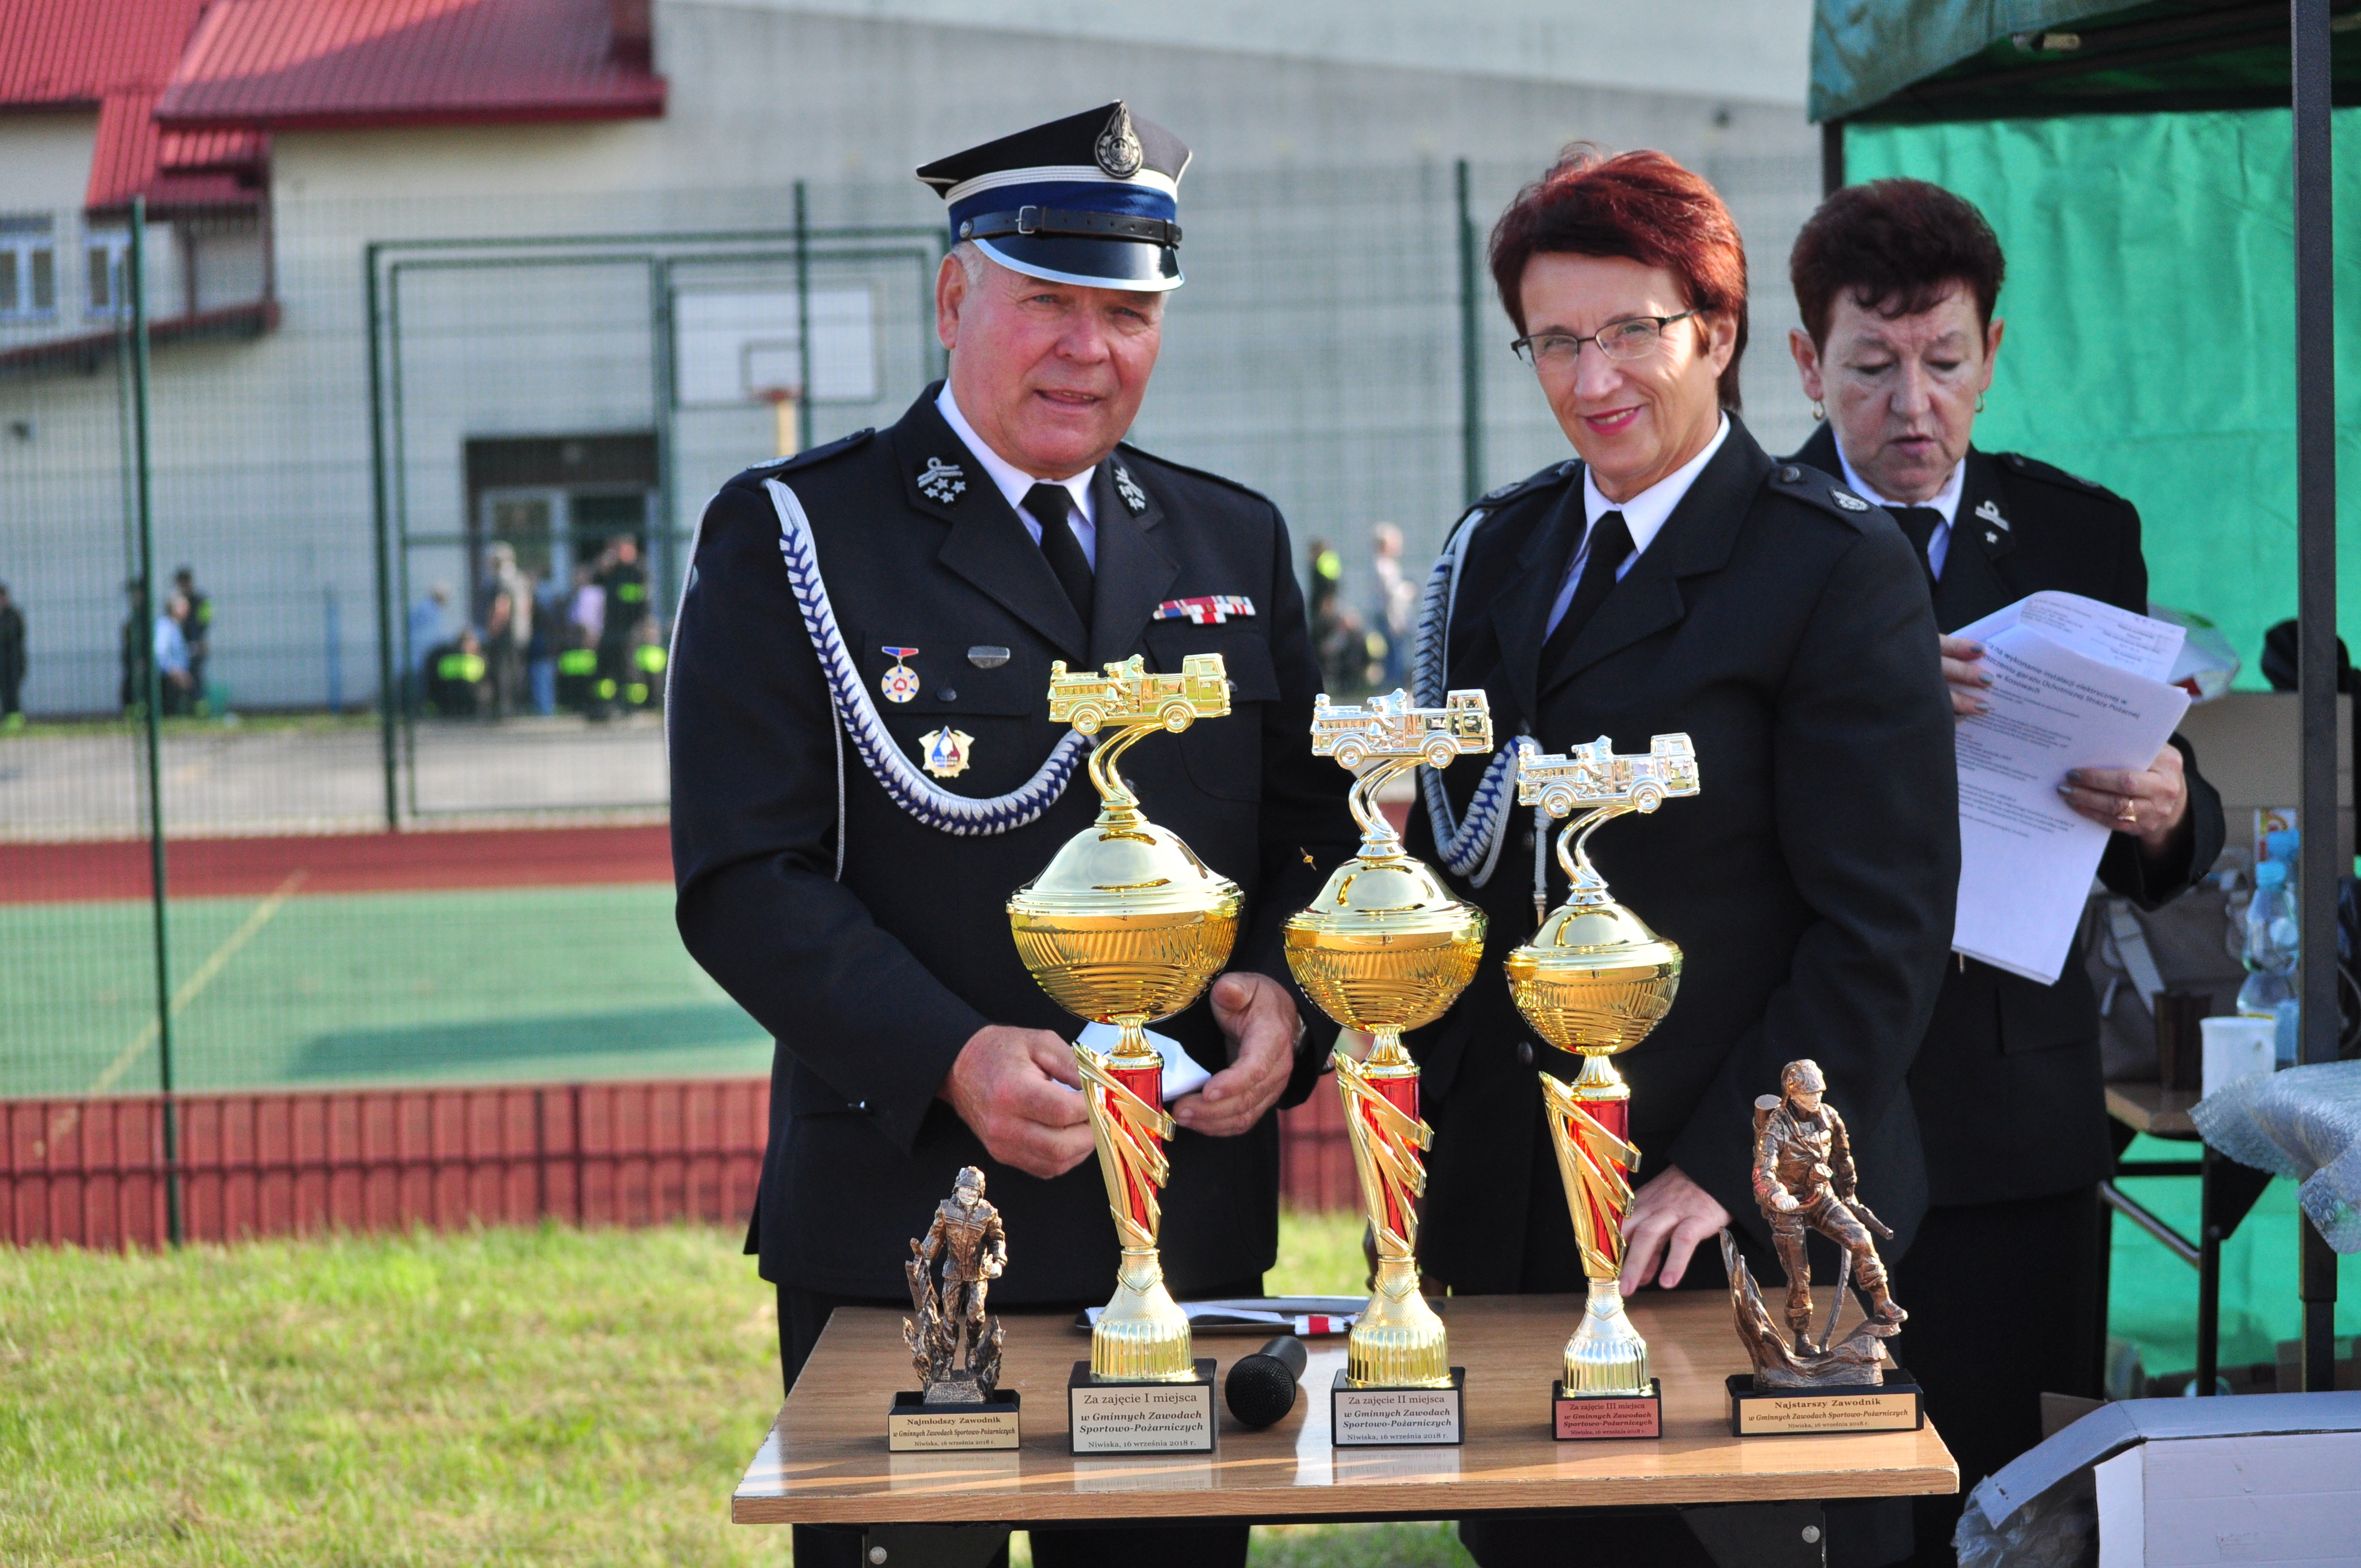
[318, 64]
[186, 90]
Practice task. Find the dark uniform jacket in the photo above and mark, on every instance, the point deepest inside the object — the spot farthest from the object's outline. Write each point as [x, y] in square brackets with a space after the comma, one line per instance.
[2011, 1100]
[873, 982]
[1809, 884]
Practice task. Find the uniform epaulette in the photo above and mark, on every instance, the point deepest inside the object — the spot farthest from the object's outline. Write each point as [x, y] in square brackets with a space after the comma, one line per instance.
[1515, 490]
[812, 455]
[1821, 491]
[2049, 473]
[1222, 479]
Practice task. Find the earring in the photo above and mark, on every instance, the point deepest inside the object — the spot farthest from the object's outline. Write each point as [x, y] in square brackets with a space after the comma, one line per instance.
[1818, 413]
[1980, 402]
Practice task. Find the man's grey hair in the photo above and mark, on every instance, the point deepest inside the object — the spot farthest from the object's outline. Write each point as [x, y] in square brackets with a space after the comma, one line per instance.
[972, 259]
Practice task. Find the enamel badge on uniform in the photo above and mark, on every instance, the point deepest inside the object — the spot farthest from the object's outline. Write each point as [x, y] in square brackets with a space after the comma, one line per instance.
[1990, 513]
[942, 482]
[1847, 500]
[899, 684]
[946, 751]
[1134, 499]
[1207, 610]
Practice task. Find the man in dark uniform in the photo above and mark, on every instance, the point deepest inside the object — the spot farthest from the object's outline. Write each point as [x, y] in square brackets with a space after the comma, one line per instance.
[624, 580]
[1898, 280]
[12, 663]
[851, 608]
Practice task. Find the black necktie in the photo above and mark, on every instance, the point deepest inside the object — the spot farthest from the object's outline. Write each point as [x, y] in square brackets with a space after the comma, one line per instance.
[1610, 545]
[1918, 526]
[1050, 504]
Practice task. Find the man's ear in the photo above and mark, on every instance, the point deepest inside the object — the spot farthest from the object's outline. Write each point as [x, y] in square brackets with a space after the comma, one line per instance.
[950, 294]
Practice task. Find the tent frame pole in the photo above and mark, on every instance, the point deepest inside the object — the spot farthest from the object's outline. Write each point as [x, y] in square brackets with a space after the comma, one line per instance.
[2315, 350]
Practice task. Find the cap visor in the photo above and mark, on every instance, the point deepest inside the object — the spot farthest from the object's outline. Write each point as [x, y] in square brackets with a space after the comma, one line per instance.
[1093, 263]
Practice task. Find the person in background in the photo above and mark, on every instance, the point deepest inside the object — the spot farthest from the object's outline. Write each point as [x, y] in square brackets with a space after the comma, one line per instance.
[1669, 576]
[624, 582]
[12, 664]
[138, 638]
[506, 622]
[430, 629]
[1393, 605]
[1337, 637]
[1897, 282]
[197, 628]
[541, 653]
[176, 680]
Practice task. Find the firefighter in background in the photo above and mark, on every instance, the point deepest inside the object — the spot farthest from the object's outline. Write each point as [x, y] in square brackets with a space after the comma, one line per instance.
[197, 631]
[624, 582]
[12, 664]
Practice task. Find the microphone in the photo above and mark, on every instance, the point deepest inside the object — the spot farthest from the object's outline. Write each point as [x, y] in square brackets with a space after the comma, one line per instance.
[1261, 1388]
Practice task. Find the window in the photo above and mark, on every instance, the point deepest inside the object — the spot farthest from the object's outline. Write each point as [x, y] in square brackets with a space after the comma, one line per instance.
[106, 254]
[28, 267]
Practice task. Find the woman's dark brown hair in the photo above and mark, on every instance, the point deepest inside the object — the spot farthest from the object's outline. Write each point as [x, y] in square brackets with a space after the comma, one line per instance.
[1896, 247]
[1642, 206]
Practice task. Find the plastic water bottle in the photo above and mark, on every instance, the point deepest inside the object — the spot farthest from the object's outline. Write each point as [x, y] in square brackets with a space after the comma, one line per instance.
[2271, 957]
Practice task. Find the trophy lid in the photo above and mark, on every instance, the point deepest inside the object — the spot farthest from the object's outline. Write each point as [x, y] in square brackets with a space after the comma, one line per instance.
[1125, 869]
[1596, 936]
[1391, 896]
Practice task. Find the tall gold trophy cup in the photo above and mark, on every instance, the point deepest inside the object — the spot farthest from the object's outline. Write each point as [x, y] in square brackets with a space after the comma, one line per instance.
[1386, 948]
[1594, 979]
[1126, 926]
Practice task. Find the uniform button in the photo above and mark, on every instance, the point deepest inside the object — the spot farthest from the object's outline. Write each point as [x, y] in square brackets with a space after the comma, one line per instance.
[1525, 1052]
[1791, 473]
[946, 694]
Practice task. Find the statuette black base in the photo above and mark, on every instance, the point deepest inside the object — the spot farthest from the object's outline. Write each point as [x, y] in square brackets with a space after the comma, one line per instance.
[1894, 1405]
[1397, 1418]
[913, 1426]
[1141, 1418]
[1576, 1418]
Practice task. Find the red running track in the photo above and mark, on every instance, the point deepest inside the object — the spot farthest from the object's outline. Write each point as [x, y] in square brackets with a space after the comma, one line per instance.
[373, 862]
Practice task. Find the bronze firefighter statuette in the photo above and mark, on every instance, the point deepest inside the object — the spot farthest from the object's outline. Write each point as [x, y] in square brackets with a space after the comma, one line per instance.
[966, 1236]
[1805, 1180]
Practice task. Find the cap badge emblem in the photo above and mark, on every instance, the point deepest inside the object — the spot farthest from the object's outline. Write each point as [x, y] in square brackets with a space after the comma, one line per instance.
[1990, 513]
[1847, 500]
[1134, 499]
[942, 482]
[946, 751]
[1119, 151]
[899, 684]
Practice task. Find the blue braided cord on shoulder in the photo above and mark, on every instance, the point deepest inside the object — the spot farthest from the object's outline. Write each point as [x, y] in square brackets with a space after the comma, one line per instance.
[1470, 848]
[962, 816]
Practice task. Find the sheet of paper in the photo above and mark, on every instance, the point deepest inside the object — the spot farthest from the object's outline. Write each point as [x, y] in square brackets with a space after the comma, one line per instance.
[2136, 644]
[1182, 1073]
[2025, 856]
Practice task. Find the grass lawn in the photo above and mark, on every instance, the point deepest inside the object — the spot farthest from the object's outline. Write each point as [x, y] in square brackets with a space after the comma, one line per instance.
[502, 1397]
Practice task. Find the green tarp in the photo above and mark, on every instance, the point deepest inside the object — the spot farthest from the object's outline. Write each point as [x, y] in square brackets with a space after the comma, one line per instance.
[2151, 331]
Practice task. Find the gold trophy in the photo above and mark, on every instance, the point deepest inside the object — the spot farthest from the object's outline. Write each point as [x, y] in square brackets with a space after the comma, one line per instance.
[1126, 926]
[1594, 979]
[1385, 947]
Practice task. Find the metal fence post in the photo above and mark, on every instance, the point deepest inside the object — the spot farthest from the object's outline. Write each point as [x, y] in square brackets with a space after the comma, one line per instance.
[2315, 484]
[390, 689]
[1471, 367]
[152, 703]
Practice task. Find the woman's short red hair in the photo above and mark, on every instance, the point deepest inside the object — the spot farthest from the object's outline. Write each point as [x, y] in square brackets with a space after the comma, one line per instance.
[1639, 205]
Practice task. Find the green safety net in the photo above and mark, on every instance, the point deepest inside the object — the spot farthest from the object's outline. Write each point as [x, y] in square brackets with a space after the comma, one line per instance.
[2150, 342]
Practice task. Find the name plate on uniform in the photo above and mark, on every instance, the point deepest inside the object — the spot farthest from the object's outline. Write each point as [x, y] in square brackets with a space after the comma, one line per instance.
[1397, 1418]
[1576, 1417]
[913, 1426]
[1894, 1405]
[1140, 1418]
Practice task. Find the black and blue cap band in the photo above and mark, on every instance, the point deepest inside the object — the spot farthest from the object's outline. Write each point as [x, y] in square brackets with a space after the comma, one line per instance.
[1090, 199]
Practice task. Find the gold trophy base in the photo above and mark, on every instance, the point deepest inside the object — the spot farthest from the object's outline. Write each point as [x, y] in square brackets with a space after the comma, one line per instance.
[1398, 1341]
[1143, 1335]
[1606, 1354]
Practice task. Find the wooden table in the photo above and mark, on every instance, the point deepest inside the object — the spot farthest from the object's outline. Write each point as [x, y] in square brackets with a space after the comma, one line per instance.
[825, 1460]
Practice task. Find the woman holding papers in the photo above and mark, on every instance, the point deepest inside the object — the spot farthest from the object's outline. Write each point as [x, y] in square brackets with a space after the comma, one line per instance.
[1897, 281]
[1670, 576]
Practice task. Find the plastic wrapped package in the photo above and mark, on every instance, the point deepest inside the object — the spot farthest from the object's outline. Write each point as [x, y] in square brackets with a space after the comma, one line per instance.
[2303, 1123]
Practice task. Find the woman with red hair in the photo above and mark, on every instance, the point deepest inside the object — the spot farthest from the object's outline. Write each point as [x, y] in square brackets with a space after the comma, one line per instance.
[1672, 576]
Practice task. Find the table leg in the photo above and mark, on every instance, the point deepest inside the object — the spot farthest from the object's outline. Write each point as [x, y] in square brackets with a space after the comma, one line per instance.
[933, 1545]
[2106, 1218]
[1761, 1535]
[2209, 1275]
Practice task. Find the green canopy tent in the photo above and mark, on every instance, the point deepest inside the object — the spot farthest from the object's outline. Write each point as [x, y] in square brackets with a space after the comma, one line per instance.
[2168, 224]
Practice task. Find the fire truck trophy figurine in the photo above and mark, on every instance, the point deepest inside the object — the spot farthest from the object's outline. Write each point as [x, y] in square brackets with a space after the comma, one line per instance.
[1805, 1180]
[1594, 980]
[1386, 948]
[1126, 926]
[954, 1342]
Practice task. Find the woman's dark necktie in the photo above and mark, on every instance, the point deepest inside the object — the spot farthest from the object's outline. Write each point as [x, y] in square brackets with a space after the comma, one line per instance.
[1610, 545]
[1918, 526]
[1050, 504]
